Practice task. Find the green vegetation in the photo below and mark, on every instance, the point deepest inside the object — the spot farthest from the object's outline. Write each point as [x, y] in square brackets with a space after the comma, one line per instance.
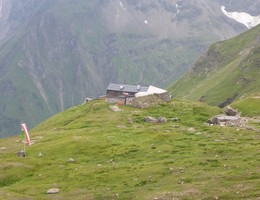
[120, 156]
[249, 106]
[229, 70]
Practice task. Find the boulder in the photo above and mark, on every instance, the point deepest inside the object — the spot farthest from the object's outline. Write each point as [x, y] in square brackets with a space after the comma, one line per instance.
[71, 160]
[230, 111]
[213, 120]
[53, 191]
[21, 154]
[150, 119]
[175, 119]
[161, 120]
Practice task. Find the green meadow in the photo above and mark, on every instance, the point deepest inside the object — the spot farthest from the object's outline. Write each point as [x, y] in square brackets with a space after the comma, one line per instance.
[117, 155]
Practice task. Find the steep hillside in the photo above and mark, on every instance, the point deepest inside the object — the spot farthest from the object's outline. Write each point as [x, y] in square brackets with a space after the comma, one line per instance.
[248, 106]
[55, 53]
[91, 152]
[229, 70]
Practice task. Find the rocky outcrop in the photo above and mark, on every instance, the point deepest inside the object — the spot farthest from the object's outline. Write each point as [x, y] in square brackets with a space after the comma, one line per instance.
[224, 120]
[232, 118]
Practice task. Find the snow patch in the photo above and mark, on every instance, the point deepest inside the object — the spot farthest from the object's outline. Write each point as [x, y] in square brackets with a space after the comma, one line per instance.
[145, 21]
[242, 17]
[121, 4]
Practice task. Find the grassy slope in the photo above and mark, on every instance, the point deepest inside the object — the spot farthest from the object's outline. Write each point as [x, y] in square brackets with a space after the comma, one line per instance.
[150, 160]
[248, 106]
[229, 69]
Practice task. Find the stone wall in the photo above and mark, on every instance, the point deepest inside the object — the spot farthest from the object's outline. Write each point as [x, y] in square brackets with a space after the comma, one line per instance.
[150, 100]
[142, 102]
[165, 96]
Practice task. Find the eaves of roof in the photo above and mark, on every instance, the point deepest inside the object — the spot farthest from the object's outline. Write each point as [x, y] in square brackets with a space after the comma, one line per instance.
[127, 88]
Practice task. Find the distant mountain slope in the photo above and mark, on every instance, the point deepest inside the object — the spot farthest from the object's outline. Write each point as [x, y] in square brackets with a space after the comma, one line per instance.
[54, 53]
[227, 71]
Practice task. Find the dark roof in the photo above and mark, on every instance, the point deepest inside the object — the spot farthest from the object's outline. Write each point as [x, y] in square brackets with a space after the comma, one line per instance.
[127, 88]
